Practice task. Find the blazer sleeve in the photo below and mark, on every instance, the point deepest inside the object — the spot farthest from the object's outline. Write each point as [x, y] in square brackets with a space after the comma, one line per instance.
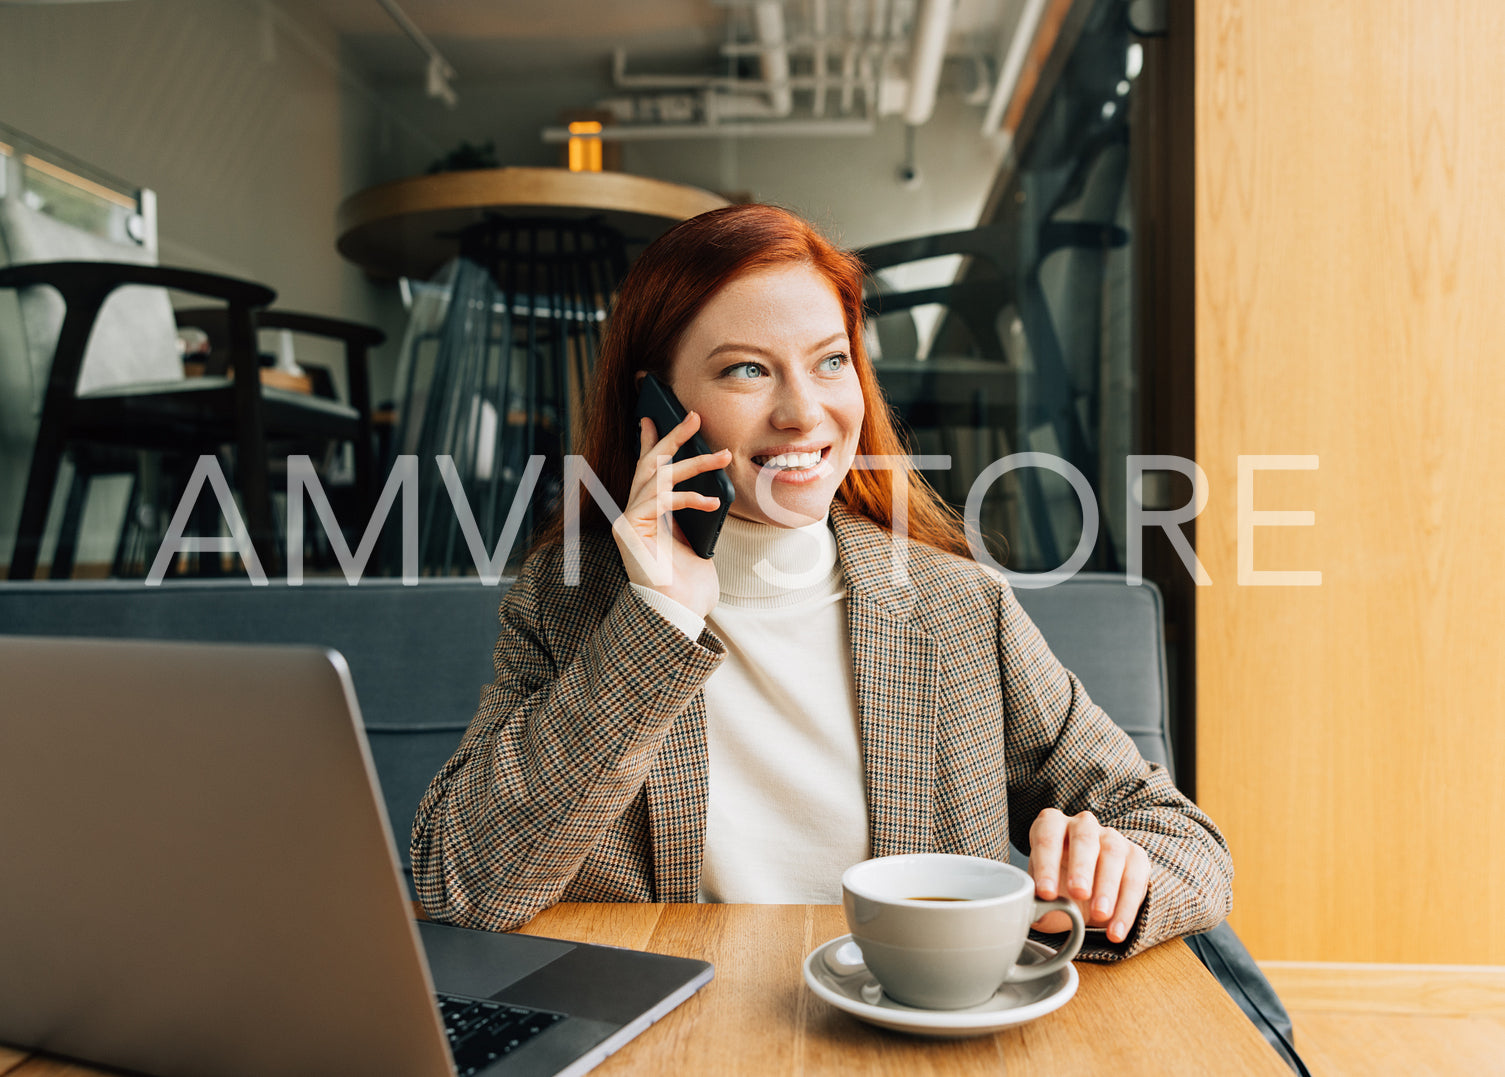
[559, 747]
[1064, 752]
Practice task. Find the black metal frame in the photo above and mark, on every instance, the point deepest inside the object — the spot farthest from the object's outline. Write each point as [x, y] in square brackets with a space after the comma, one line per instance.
[171, 420]
[542, 286]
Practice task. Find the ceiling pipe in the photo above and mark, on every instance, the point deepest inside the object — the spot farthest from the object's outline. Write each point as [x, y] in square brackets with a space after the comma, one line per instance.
[870, 62]
[932, 27]
[686, 83]
[658, 132]
[742, 101]
[768, 22]
[1013, 64]
[856, 18]
[878, 35]
[890, 14]
[818, 107]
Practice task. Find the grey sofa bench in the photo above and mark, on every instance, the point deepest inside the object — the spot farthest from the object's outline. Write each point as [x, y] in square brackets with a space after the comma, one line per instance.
[420, 656]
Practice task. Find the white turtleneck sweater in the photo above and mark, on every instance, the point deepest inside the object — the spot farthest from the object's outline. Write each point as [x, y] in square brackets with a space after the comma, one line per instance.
[787, 813]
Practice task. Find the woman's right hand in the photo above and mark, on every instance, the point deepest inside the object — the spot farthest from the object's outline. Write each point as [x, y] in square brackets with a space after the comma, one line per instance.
[653, 548]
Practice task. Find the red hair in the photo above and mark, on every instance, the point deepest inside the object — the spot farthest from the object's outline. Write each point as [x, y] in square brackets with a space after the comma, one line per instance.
[668, 285]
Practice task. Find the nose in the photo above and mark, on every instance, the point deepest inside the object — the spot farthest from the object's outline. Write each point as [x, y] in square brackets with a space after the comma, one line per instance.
[797, 405]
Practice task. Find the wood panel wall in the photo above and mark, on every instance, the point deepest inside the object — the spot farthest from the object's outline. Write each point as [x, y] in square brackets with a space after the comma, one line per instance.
[1350, 303]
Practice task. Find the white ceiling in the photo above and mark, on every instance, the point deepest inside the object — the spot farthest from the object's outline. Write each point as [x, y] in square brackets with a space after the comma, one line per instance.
[489, 40]
[515, 19]
[499, 40]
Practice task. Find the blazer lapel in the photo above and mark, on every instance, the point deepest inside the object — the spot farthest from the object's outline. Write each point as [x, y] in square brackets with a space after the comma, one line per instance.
[896, 666]
[896, 670]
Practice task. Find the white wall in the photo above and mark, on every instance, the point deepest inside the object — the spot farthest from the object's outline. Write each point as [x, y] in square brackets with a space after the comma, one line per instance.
[250, 125]
[242, 119]
[847, 185]
[237, 113]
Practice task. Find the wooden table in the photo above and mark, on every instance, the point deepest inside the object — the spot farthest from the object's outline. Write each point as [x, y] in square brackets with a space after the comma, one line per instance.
[1159, 1013]
[410, 227]
[270, 376]
[540, 254]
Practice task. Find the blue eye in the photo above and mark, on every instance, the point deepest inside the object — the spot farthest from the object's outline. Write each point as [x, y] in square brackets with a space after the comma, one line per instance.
[744, 370]
[833, 363]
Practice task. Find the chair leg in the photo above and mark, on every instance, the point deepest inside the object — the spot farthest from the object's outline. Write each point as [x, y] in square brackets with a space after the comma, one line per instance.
[129, 527]
[66, 552]
[250, 444]
[206, 521]
[46, 459]
[83, 305]
[365, 450]
[256, 496]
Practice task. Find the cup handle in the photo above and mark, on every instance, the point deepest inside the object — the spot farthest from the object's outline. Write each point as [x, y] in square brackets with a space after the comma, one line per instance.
[1022, 973]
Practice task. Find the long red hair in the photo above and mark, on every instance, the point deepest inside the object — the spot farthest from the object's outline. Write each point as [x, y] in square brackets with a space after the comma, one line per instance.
[662, 293]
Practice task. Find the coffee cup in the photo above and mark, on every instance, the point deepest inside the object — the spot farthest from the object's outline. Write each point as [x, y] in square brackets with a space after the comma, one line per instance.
[944, 932]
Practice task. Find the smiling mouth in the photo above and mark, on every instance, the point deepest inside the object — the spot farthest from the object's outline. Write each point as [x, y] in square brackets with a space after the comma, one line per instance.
[792, 461]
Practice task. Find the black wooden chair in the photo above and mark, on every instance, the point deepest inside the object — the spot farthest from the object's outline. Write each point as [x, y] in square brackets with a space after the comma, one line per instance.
[354, 499]
[174, 414]
[1112, 636]
[970, 382]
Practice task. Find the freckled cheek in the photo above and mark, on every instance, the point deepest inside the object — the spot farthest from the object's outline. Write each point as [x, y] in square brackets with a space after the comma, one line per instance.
[723, 433]
[852, 417]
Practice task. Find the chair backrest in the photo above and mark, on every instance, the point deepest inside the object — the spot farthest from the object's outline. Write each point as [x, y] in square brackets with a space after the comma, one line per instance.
[910, 275]
[50, 211]
[1112, 636]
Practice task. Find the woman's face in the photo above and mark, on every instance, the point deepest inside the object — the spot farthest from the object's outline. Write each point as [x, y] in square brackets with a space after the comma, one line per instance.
[768, 366]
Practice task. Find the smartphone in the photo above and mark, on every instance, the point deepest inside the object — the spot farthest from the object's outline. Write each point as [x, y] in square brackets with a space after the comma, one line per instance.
[657, 401]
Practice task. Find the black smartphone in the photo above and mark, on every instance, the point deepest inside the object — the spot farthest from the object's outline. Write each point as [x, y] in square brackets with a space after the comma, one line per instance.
[657, 401]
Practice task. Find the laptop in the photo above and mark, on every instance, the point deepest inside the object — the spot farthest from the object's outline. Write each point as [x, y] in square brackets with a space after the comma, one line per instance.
[198, 878]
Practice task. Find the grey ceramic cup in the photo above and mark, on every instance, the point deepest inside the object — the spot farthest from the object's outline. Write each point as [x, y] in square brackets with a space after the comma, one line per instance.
[948, 954]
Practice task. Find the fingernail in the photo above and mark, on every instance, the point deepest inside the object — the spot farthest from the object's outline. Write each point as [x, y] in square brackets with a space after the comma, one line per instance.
[1119, 931]
[1102, 908]
[1078, 883]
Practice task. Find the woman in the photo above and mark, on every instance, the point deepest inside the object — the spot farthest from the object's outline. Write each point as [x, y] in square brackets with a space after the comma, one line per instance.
[840, 681]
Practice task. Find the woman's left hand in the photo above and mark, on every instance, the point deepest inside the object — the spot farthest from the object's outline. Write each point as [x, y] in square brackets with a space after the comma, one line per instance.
[1104, 872]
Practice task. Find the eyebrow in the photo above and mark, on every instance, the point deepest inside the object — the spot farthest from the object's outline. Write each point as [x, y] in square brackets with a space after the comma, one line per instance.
[734, 346]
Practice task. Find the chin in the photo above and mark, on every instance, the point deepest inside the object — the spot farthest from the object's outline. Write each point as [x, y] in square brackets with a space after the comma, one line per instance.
[810, 510]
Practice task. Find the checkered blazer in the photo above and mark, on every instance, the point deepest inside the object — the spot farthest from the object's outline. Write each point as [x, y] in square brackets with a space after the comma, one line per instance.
[583, 776]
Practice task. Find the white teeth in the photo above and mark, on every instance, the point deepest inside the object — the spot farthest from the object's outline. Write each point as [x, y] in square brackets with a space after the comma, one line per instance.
[790, 460]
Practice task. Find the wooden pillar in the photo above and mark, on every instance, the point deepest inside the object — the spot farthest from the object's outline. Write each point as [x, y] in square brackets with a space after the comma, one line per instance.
[1350, 254]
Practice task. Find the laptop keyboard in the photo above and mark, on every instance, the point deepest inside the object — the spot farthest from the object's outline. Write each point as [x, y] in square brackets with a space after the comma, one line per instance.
[481, 1031]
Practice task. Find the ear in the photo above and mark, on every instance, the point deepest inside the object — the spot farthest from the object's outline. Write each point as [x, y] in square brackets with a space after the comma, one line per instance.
[637, 379]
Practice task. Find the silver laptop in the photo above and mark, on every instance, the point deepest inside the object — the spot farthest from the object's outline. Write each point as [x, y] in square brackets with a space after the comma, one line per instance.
[196, 877]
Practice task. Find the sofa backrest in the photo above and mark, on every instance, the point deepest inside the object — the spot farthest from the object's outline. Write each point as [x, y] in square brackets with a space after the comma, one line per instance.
[420, 656]
[1112, 636]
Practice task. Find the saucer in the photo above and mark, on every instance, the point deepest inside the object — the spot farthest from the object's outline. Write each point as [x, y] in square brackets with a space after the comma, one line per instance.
[835, 972]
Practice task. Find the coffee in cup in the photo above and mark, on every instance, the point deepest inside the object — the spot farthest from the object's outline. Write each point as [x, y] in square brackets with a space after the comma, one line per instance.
[943, 932]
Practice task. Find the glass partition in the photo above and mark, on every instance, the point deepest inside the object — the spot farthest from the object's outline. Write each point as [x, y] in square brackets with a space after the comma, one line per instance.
[1023, 369]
